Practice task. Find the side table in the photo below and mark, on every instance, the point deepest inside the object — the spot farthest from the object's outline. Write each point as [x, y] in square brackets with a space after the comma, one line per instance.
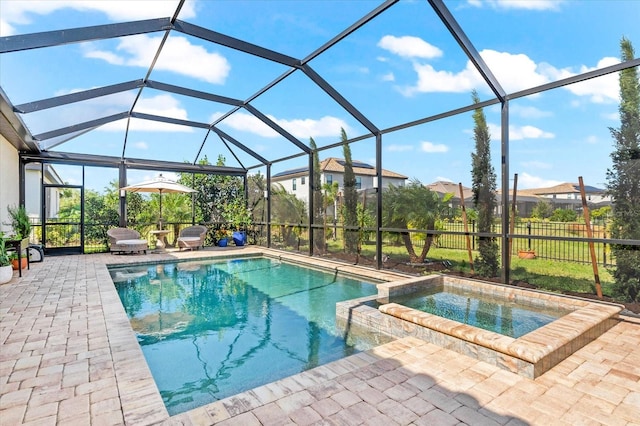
[161, 238]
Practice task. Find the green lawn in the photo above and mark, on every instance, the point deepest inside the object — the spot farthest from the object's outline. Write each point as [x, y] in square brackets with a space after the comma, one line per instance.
[550, 275]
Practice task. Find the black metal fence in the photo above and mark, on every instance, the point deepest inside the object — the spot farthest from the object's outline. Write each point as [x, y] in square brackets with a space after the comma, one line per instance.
[547, 238]
[553, 247]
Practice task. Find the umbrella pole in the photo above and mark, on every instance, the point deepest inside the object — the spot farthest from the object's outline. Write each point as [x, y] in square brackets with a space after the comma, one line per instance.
[160, 218]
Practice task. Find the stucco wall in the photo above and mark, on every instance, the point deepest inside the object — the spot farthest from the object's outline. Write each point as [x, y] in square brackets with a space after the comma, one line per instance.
[8, 181]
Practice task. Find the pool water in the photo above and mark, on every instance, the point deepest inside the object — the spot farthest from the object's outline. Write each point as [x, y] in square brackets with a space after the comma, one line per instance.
[212, 329]
[483, 311]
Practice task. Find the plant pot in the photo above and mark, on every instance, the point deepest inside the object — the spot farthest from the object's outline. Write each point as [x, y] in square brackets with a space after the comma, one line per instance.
[6, 273]
[527, 254]
[239, 238]
[222, 242]
[23, 263]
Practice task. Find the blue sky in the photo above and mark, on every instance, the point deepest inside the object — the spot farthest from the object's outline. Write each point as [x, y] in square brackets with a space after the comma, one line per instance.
[401, 66]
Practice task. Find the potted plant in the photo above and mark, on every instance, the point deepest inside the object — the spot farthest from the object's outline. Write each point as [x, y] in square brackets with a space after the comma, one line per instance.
[6, 271]
[222, 236]
[238, 216]
[527, 254]
[20, 221]
[14, 261]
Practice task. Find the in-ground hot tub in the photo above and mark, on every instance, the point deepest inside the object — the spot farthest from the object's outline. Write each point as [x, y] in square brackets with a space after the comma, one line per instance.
[532, 354]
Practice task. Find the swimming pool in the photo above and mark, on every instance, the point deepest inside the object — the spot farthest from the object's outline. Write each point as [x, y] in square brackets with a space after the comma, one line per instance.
[211, 329]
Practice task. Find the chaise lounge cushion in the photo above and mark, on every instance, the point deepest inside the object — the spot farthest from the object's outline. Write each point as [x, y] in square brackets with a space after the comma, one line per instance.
[126, 240]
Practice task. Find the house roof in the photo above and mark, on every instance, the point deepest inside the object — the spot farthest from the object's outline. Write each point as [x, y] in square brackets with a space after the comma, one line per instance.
[563, 188]
[521, 196]
[447, 187]
[336, 165]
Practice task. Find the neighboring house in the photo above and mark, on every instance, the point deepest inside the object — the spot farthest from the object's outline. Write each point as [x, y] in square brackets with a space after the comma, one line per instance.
[443, 187]
[296, 181]
[563, 196]
[567, 196]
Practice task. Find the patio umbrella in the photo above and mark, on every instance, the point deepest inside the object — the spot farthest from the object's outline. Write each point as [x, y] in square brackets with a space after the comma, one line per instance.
[160, 185]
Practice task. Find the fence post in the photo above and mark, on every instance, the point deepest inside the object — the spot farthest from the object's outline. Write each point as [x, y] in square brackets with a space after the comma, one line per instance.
[529, 232]
[473, 226]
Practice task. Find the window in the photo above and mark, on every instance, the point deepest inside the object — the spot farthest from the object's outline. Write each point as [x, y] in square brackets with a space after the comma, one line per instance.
[358, 182]
[302, 180]
[328, 179]
[294, 184]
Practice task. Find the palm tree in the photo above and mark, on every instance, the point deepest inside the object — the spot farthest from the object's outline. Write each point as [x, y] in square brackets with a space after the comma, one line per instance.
[177, 210]
[415, 206]
[330, 191]
[286, 209]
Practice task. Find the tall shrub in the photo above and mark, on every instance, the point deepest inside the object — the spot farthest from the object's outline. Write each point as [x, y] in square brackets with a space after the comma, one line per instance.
[318, 205]
[350, 208]
[623, 182]
[484, 198]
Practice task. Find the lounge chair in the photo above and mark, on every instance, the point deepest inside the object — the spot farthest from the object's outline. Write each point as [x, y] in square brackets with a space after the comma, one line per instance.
[125, 240]
[192, 237]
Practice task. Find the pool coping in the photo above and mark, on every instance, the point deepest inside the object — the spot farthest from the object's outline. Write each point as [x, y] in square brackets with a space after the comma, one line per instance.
[530, 355]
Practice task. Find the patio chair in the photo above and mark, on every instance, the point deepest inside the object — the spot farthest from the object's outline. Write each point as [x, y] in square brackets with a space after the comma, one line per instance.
[192, 237]
[125, 240]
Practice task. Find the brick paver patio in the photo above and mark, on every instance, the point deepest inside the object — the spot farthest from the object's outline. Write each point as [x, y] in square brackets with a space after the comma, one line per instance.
[68, 356]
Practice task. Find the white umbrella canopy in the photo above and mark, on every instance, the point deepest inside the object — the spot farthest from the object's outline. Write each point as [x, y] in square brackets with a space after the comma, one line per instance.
[159, 185]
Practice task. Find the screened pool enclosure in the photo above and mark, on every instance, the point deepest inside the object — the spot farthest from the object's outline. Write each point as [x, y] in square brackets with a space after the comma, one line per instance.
[256, 98]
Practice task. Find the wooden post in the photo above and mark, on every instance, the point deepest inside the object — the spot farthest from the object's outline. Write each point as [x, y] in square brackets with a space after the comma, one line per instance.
[466, 227]
[512, 224]
[592, 250]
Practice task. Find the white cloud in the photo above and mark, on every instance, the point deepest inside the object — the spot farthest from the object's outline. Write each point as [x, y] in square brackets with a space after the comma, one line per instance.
[528, 132]
[518, 4]
[178, 55]
[16, 13]
[443, 179]
[517, 133]
[409, 47]
[162, 105]
[536, 165]
[528, 112]
[430, 80]
[300, 128]
[389, 77]
[141, 145]
[399, 148]
[109, 57]
[525, 181]
[514, 72]
[591, 140]
[433, 147]
[605, 89]
[247, 123]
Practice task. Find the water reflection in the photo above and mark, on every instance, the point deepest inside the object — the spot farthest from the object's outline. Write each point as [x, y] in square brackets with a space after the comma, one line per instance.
[209, 330]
